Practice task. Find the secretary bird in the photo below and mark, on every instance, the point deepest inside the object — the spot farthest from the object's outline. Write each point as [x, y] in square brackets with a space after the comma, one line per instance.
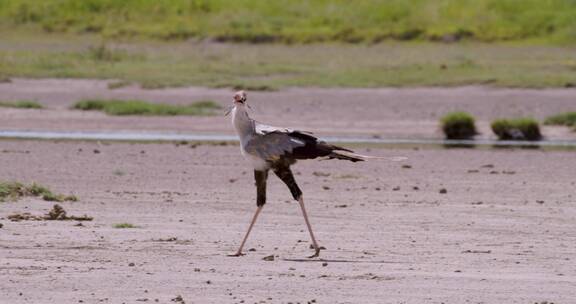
[276, 149]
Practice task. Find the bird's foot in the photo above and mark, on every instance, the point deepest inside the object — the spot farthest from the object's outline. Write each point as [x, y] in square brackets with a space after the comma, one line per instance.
[316, 253]
[237, 254]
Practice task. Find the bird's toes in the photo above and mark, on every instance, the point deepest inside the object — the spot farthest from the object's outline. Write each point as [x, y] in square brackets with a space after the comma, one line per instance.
[316, 254]
[237, 254]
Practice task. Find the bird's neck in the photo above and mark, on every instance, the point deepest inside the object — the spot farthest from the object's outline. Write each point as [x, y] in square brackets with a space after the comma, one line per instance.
[242, 123]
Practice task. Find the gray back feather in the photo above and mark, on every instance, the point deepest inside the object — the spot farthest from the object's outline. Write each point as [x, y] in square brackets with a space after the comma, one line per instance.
[271, 146]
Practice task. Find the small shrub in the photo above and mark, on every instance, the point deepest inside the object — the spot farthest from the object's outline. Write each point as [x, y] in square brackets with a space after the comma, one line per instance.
[140, 107]
[517, 129]
[21, 104]
[11, 191]
[124, 225]
[16, 190]
[38, 190]
[564, 119]
[458, 125]
[90, 105]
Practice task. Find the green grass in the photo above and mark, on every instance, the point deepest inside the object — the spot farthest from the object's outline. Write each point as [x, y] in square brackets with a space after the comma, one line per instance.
[139, 107]
[21, 104]
[517, 129]
[298, 21]
[13, 191]
[51, 197]
[563, 119]
[124, 225]
[458, 125]
[272, 66]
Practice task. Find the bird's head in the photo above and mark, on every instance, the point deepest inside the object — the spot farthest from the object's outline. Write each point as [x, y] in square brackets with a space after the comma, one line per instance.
[239, 98]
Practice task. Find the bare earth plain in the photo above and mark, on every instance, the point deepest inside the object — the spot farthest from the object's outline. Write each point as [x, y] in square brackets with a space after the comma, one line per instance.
[503, 231]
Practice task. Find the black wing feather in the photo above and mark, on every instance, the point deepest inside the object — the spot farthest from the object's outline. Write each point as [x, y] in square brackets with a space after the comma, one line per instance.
[293, 145]
[313, 148]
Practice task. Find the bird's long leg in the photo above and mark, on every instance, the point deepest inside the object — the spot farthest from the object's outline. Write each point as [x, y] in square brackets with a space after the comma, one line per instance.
[260, 177]
[285, 174]
[316, 247]
[239, 252]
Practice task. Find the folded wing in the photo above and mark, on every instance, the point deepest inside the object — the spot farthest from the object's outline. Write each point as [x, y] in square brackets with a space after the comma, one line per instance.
[276, 144]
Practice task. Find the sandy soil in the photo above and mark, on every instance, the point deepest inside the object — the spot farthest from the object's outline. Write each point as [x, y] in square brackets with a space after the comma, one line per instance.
[505, 231]
[388, 113]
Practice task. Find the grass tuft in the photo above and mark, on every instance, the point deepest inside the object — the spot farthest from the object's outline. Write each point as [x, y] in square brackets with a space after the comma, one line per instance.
[563, 119]
[144, 108]
[13, 191]
[253, 87]
[21, 104]
[517, 129]
[458, 125]
[106, 54]
[118, 84]
[124, 225]
[51, 197]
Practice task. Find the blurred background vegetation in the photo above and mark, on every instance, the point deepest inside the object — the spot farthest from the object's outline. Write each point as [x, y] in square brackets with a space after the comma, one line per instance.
[265, 45]
[301, 21]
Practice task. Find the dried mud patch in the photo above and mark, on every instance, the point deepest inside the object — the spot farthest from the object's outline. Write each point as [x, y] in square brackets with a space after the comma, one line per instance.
[57, 213]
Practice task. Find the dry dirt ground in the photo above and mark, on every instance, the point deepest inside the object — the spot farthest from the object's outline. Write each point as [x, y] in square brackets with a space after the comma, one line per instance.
[504, 231]
[387, 113]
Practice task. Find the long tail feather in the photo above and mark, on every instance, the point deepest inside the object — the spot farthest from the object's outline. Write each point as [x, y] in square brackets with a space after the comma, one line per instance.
[341, 155]
[352, 156]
